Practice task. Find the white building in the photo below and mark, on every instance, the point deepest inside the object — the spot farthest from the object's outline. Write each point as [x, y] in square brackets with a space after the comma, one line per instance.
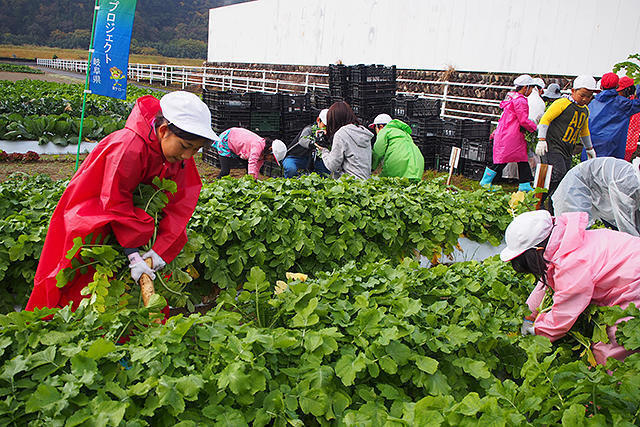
[565, 37]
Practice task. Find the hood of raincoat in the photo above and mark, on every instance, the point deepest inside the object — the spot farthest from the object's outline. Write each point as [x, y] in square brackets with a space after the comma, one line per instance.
[141, 121]
[568, 234]
[511, 96]
[399, 124]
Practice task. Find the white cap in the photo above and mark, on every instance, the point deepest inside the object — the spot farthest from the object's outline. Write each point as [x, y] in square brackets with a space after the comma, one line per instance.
[279, 150]
[525, 232]
[323, 116]
[381, 119]
[585, 82]
[186, 111]
[539, 82]
[524, 80]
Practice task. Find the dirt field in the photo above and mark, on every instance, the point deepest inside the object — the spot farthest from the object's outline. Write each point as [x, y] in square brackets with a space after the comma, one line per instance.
[63, 167]
[48, 77]
[32, 52]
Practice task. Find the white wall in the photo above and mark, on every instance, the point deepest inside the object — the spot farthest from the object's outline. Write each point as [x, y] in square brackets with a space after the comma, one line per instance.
[540, 36]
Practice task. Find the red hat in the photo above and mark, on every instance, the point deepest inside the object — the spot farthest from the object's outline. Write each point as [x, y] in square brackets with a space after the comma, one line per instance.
[625, 82]
[609, 81]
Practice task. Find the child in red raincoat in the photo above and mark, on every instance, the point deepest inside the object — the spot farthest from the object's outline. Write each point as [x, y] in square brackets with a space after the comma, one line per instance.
[159, 139]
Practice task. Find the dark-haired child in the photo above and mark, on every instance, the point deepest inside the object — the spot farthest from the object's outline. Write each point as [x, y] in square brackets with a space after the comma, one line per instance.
[159, 139]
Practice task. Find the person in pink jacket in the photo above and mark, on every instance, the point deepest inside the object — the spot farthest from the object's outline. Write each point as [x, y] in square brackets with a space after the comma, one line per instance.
[509, 144]
[580, 266]
[239, 148]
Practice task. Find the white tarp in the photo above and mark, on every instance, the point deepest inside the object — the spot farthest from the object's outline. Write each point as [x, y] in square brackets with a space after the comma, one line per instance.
[50, 148]
[566, 37]
[469, 251]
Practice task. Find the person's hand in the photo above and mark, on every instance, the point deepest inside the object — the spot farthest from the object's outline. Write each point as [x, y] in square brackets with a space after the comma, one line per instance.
[527, 328]
[158, 262]
[139, 267]
[591, 154]
[541, 147]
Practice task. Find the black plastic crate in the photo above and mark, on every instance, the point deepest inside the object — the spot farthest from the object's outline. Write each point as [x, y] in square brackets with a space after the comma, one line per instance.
[265, 121]
[470, 129]
[477, 151]
[271, 169]
[320, 99]
[266, 101]
[372, 73]
[424, 107]
[473, 170]
[417, 129]
[400, 107]
[339, 72]
[433, 126]
[210, 156]
[296, 103]
[430, 140]
[227, 100]
[372, 92]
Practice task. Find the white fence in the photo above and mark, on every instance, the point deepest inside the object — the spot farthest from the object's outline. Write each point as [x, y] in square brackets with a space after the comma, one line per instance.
[259, 80]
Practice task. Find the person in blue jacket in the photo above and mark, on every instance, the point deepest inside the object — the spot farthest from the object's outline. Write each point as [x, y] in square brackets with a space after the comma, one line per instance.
[609, 115]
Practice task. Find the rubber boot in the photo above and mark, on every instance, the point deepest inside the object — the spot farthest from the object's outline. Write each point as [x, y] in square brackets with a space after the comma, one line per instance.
[525, 186]
[488, 176]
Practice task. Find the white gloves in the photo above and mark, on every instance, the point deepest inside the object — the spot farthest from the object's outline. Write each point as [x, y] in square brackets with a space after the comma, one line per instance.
[527, 328]
[591, 154]
[139, 267]
[541, 147]
[158, 262]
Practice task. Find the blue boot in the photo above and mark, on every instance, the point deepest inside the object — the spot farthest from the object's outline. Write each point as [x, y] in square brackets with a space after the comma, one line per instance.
[488, 176]
[525, 186]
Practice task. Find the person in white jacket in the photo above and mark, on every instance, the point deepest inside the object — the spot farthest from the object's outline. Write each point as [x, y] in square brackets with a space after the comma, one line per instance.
[350, 152]
[536, 104]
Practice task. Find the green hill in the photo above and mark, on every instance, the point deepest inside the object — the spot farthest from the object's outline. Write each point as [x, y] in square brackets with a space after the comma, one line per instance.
[169, 28]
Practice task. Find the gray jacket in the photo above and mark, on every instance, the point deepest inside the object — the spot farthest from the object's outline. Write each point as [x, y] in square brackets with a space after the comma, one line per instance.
[350, 153]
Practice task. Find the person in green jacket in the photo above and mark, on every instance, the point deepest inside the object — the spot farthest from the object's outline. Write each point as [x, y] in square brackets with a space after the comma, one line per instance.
[396, 149]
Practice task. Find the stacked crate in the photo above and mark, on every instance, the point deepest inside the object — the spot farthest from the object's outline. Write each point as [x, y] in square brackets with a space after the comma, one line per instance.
[372, 90]
[228, 109]
[296, 114]
[473, 139]
[265, 114]
[422, 115]
[339, 79]
[275, 116]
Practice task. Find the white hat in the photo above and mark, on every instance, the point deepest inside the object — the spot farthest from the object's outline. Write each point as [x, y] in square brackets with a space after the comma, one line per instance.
[323, 116]
[585, 82]
[279, 150]
[539, 82]
[525, 232]
[187, 112]
[381, 119]
[524, 80]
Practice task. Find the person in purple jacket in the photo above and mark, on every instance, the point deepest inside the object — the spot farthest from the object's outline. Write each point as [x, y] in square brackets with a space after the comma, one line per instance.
[509, 144]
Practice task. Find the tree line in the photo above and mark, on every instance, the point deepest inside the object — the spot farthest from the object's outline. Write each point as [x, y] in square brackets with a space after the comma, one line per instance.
[169, 28]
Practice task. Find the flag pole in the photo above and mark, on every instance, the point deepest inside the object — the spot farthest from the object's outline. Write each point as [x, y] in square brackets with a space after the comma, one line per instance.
[86, 82]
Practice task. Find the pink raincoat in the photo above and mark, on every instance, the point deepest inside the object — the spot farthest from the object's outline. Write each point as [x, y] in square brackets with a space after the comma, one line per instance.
[587, 267]
[248, 146]
[509, 144]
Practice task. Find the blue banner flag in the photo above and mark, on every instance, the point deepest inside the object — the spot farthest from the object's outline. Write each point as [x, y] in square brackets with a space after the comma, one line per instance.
[111, 40]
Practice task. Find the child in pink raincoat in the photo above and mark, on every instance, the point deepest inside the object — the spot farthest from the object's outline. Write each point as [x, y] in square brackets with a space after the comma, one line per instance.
[509, 144]
[239, 148]
[581, 267]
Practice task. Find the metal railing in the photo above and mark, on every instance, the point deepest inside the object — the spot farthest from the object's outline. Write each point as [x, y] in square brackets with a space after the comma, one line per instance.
[261, 80]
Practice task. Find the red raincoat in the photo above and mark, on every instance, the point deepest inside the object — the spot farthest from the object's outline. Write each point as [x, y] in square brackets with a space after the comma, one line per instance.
[99, 200]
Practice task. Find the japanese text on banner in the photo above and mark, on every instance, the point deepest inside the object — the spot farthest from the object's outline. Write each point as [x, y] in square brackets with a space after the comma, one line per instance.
[111, 40]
